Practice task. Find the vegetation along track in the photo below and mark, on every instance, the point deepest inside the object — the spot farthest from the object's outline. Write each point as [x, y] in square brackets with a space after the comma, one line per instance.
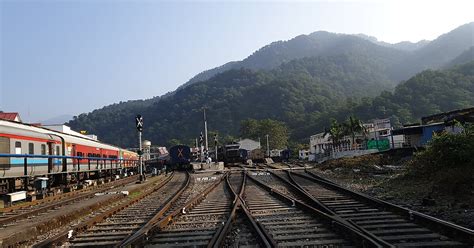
[291, 223]
[12, 215]
[122, 223]
[199, 224]
[393, 224]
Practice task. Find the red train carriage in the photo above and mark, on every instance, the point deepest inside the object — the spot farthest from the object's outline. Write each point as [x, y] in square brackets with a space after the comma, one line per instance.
[19, 139]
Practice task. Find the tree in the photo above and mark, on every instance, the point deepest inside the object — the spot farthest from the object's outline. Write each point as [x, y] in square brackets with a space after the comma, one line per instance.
[336, 133]
[353, 126]
[173, 142]
[249, 128]
[276, 130]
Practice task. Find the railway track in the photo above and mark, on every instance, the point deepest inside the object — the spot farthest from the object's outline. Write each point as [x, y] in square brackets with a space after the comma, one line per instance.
[393, 225]
[26, 213]
[200, 225]
[236, 179]
[240, 230]
[276, 183]
[128, 216]
[292, 223]
[181, 203]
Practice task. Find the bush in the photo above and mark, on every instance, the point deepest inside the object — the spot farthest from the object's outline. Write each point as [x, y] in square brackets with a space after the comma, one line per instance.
[448, 150]
[447, 163]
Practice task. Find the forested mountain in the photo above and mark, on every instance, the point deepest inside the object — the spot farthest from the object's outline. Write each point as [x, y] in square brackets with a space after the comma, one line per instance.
[299, 86]
[403, 59]
[438, 52]
[429, 92]
[303, 82]
[295, 93]
[403, 45]
[319, 43]
[464, 57]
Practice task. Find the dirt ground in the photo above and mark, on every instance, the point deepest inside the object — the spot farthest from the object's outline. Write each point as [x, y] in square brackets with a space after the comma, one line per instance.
[388, 178]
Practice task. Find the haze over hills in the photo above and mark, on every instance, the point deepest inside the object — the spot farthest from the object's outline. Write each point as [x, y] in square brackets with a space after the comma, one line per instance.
[319, 43]
[464, 57]
[404, 58]
[403, 45]
[303, 82]
[60, 119]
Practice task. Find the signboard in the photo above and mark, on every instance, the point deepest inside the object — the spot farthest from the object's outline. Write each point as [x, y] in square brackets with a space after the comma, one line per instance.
[139, 122]
[381, 145]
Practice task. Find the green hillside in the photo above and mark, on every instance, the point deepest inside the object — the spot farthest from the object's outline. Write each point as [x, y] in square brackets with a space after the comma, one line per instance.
[303, 82]
[297, 93]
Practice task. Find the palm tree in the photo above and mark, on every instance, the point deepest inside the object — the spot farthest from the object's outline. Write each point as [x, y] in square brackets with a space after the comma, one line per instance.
[336, 133]
[353, 126]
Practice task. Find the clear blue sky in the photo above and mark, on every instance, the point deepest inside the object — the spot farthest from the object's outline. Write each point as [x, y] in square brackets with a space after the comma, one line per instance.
[70, 57]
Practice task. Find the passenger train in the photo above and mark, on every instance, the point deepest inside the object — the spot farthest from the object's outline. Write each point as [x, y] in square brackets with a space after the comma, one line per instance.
[19, 139]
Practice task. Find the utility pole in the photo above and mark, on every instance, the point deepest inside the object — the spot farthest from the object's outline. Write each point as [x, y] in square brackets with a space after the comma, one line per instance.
[205, 130]
[268, 147]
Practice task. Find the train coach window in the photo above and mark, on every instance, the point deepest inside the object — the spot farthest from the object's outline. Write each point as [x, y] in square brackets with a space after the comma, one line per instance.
[31, 148]
[57, 150]
[18, 147]
[43, 149]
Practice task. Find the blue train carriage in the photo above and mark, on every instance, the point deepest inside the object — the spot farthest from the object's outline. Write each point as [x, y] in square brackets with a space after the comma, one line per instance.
[232, 153]
[180, 157]
[285, 155]
[244, 154]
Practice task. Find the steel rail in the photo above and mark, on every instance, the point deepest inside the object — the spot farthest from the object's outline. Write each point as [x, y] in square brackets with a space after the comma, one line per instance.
[61, 201]
[149, 225]
[451, 230]
[316, 203]
[63, 236]
[262, 232]
[220, 237]
[343, 227]
[321, 206]
[159, 221]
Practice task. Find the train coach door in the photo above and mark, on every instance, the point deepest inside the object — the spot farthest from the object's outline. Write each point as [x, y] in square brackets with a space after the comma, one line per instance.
[74, 153]
[50, 152]
[5, 148]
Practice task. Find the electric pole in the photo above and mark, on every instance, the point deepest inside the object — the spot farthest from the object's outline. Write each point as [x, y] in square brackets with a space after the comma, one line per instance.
[268, 147]
[205, 130]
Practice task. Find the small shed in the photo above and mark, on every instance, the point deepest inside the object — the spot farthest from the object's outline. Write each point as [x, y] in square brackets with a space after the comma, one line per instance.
[429, 130]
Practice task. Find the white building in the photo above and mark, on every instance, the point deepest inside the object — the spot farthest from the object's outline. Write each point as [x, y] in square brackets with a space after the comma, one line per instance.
[322, 147]
[303, 154]
[275, 153]
[249, 144]
[319, 143]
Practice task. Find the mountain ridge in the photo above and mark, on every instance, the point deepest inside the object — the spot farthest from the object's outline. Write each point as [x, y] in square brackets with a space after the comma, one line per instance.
[316, 80]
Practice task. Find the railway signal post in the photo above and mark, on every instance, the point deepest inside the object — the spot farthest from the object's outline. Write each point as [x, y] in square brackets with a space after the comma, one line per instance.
[139, 124]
